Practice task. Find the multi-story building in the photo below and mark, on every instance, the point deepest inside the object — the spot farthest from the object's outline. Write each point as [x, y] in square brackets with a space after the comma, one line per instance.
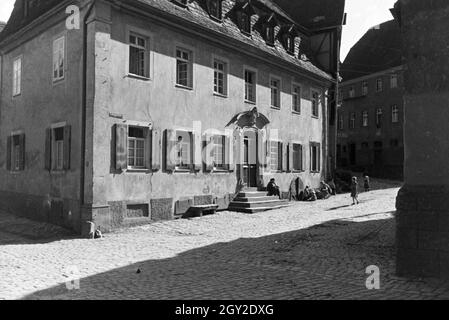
[370, 119]
[131, 108]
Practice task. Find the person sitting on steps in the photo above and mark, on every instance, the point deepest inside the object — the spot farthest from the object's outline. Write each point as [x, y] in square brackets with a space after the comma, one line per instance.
[273, 189]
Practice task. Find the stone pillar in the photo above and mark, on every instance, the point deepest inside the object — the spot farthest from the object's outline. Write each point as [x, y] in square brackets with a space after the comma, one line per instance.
[423, 203]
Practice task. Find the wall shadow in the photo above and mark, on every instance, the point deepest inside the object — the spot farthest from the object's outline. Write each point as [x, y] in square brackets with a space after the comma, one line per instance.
[326, 261]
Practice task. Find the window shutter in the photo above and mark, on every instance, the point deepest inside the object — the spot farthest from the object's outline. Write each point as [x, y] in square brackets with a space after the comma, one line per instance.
[301, 158]
[208, 153]
[284, 147]
[121, 146]
[48, 149]
[318, 156]
[238, 148]
[67, 146]
[291, 166]
[8, 153]
[262, 153]
[22, 150]
[197, 162]
[155, 149]
[229, 152]
[170, 150]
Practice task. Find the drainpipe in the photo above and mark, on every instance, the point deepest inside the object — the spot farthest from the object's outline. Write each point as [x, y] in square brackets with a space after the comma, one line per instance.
[84, 107]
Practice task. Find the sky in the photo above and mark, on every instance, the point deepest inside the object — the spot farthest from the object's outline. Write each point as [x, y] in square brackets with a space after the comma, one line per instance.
[362, 15]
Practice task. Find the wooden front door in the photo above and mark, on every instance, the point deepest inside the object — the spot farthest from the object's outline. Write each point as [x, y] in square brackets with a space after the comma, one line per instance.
[249, 166]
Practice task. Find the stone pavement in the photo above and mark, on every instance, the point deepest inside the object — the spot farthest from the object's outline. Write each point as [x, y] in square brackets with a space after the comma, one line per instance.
[307, 251]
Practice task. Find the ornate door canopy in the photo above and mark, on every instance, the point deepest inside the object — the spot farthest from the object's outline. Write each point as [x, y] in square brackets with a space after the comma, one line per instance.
[250, 119]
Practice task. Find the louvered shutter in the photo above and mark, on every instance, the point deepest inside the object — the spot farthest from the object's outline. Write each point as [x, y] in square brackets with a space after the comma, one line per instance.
[48, 149]
[197, 160]
[22, 151]
[8, 153]
[170, 150]
[121, 146]
[155, 149]
[208, 152]
[67, 146]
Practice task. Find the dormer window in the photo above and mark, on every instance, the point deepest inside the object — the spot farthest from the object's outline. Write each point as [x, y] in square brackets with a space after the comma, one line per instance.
[215, 9]
[290, 44]
[269, 34]
[29, 6]
[245, 23]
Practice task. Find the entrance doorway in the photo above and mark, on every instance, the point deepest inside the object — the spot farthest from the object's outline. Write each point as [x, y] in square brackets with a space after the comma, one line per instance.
[249, 165]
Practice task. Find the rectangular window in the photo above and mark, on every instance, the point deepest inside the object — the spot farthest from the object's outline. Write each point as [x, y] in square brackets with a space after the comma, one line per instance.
[215, 9]
[394, 143]
[276, 155]
[136, 147]
[379, 113]
[315, 157]
[351, 92]
[352, 120]
[250, 86]
[275, 86]
[58, 147]
[395, 114]
[184, 74]
[17, 77]
[394, 81]
[245, 23]
[58, 58]
[365, 119]
[379, 85]
[341, 122]
[269, 34]
[184, 150]
[16, 152]
[315, 103]
[219, 151]
[220, 77]
[297, 157]
[138, 55]
[365, 88]
[296, 98]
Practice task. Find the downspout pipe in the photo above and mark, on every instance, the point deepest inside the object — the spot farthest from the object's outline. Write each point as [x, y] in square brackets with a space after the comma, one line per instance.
[84, 106]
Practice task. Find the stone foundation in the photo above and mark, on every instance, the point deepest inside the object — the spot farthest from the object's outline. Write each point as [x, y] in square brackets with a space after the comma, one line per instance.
[422, 231]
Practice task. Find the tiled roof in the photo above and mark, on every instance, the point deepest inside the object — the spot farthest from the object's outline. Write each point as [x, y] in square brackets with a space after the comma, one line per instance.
[196, 12]
[378, 50]
[315, 14]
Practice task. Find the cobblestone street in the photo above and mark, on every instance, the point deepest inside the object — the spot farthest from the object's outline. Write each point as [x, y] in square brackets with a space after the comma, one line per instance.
[307, 251]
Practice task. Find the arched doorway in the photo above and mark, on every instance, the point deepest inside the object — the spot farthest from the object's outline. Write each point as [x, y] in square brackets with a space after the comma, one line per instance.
[250, 141]
[249, 167]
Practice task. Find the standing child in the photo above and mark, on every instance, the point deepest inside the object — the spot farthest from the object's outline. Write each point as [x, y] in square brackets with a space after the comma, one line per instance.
[367, 184]
[354, 191]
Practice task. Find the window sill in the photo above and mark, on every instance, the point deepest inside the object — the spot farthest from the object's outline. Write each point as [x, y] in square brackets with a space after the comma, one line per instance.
[215, 19]
[136, 76]
[136, 170]
[315, 172]
[276, 108]
[297, 171]
[298, 113]
[250, 102]
[15, 172]
[182, 171]
[316, 117]
[180, 86]
[16, 95]
[220, 171]
[220, 95]
[58, 172]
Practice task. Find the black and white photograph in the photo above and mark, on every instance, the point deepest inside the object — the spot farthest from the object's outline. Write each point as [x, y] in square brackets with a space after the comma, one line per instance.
[245, 151]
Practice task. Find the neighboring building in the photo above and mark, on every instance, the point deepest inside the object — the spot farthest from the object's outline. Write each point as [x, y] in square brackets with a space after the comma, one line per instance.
[422, 217]
[371, 116]
[152, 104]
[325, 20]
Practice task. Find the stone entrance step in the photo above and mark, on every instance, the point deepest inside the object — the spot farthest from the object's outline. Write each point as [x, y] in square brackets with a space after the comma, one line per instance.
[252, 201]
